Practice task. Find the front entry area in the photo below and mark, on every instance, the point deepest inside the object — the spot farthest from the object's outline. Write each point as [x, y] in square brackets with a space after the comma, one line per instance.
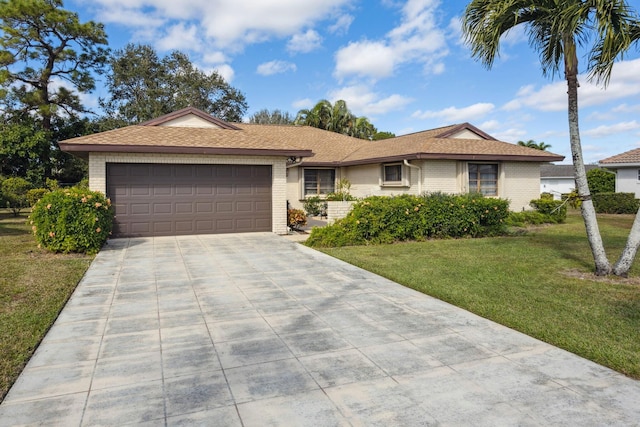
[182, 199]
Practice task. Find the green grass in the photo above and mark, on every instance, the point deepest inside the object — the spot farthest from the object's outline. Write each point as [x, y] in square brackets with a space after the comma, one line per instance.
[34, 286]
[539, 283]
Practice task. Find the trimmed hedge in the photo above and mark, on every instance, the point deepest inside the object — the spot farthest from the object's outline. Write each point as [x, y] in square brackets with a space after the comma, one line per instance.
[383, 219]
[72, 220]
[615, 203]
[554, 210]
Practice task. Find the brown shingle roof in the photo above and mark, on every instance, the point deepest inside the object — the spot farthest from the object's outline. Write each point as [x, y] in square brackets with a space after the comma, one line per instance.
[169, 139]
[631, 156]
[320, 147]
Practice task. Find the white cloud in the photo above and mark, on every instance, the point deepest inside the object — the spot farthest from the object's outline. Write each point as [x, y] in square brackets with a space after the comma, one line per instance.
[275, 67]
[456, 115]
[365, 58]
[490, 126]
[304, 42]
[225, 71]
[226, 24]
[607, 131]
[214, 57]
[624, 108]
[180, 37]
[417, 39]
[342, 25]
[625, 82]
[362, 101]
[512, 135]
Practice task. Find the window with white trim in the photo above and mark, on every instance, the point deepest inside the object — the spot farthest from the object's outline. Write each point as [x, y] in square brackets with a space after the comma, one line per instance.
[393, 174]
[319, 182]
[483, 178]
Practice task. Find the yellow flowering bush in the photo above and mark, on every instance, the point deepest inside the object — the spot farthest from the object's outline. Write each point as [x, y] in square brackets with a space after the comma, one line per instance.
[72, 220]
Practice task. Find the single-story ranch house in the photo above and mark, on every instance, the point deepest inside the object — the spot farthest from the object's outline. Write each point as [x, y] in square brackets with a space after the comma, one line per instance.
[559, 179]
[190, 173]
[627, 169]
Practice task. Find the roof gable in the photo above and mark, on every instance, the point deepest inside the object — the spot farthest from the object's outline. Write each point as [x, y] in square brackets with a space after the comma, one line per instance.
[190, 117]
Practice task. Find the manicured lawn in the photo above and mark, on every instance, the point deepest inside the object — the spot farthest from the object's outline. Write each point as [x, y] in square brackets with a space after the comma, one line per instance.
[34, 286]
[539, 283]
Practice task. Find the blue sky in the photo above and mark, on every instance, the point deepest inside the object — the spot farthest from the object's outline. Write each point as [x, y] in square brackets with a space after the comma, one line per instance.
[401, 64]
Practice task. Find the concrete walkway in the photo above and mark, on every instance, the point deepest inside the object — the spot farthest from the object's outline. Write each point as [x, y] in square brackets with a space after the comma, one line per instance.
[255, 330]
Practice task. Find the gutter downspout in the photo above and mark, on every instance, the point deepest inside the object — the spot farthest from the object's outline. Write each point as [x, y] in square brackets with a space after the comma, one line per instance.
[406, 162]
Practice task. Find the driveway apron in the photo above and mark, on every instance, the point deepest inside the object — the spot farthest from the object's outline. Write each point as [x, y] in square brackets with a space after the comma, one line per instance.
[256, 330]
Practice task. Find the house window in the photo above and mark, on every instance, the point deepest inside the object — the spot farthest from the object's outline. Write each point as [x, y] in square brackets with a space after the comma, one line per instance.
[483, 178]
[319, 181]
[638, 174]
[392, 174]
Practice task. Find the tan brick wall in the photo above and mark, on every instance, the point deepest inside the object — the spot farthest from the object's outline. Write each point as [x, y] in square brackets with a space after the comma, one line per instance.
[338, 210]
[441, 175]
[520, 184]
[98, 178]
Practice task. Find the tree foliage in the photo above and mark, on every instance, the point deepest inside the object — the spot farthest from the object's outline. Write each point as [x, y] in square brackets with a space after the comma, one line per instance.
[45, 54]
[605, 29]
[47, 58]
[143, 86]
[336, 118]
[274, 117]
[535, 145]
[601, 181]
[378, 136]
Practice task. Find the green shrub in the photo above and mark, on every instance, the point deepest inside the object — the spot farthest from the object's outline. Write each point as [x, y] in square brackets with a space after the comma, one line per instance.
[36, 194]
[601, 181]
[72, 220]
[382, 219]
[556, 210]
[615, 203]
[14, 194]
[520, 219]
[313, 205]
[296, 218]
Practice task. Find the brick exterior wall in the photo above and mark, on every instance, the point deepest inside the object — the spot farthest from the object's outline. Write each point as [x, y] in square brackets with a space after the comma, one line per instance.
[98, 174]
[520, 184]
[441, 175]
[338, 210]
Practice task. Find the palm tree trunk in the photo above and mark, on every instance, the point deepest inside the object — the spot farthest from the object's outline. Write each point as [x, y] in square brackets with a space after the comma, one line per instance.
[603, 267]
[622, 266]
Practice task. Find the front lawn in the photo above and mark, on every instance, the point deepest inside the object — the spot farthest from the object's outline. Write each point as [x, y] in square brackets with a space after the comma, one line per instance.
[539, 283]
[34, 286]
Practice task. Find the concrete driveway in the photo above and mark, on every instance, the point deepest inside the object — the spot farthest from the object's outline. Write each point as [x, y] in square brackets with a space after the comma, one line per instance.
[255, 330]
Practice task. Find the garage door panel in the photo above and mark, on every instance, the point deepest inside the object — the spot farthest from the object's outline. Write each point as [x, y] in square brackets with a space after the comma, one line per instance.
[139, 209]
[162, 208]
[184, 190]
[165, 199]
[184, 208]
[242, 207]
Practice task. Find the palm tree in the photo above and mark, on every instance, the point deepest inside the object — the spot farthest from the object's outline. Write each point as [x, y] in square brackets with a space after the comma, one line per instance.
[557, 29]
[535, 145]
[336, 118]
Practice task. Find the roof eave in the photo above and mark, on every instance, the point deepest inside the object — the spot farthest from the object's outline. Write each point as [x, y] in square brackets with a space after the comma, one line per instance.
[619, 165]
[83, 149]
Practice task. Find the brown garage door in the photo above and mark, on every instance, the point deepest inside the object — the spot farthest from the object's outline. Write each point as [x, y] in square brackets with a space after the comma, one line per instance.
[166, 200]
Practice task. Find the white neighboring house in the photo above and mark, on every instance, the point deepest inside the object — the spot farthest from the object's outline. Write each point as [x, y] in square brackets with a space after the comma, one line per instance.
[558, 179]
[627, 169]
